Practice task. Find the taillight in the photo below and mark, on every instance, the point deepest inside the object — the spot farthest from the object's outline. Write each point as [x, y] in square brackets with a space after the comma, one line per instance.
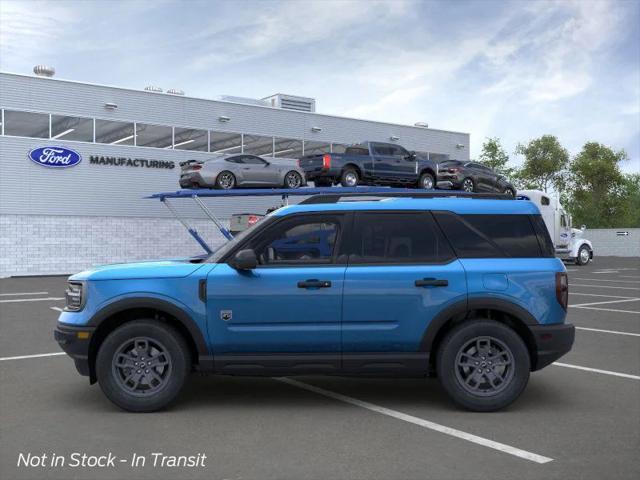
[326, 161]
[253, 219]
[453, 170]
[298, 163]
[562, 289]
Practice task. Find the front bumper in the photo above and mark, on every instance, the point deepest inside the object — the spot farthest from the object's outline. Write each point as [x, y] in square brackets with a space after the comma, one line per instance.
[552, 342]
[75, 340]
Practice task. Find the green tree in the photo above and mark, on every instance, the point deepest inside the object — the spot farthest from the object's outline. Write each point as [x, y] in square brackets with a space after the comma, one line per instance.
[545, 163]
[495, 157]
[631, 204]
[600, 195]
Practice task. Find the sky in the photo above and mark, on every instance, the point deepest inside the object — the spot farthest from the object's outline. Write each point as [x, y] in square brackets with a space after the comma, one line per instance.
[514, 70]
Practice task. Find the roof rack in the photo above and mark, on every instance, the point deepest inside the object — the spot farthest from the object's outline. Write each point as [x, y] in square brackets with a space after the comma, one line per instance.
[402, 193]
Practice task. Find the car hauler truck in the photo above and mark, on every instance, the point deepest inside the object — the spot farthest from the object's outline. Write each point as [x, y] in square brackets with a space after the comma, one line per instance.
[568, 242]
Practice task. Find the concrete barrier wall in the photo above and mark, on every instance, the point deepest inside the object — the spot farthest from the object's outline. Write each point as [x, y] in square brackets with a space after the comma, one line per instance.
[612, 242]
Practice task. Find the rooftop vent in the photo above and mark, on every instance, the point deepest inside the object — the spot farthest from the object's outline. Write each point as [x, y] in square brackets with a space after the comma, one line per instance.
[174, 91]
[292, 102]
[151, 88]
[421, 124]
[44, 71]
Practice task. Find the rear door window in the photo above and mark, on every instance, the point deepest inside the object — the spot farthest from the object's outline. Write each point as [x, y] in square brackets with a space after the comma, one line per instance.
[397, 238]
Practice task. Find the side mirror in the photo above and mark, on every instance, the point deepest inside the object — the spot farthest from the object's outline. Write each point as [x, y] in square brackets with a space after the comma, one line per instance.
[583, 227]
[411, 156]
[244, 260]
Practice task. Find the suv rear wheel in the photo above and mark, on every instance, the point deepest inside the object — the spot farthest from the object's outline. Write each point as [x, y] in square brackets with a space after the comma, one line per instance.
[142, 365]
[483, 365]
[468, 185]
[426, 181]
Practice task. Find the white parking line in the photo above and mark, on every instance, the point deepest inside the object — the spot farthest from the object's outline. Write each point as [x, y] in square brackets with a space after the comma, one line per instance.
[597, 370]
[608, 331]
[607, 309]
[57, 309]
[22, 357]
[604, 286]
[608, 281]
[22, 293]
[632, 299]
[485, 442]
[596, 295]
[629, 276]
[13, 300]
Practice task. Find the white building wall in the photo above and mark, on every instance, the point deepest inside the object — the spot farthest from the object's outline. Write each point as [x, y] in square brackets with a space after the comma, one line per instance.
[608, 242]
[54, 244]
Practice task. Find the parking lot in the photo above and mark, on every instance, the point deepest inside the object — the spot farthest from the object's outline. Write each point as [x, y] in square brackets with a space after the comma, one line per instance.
[579, 418]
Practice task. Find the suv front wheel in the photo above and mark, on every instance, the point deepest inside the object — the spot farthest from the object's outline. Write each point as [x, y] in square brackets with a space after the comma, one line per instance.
[142, 365]
[483, 365]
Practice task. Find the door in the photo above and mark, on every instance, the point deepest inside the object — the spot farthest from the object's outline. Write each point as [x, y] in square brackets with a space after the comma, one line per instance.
[401, 274]
[289, 307]
[391, 163]
[257, 171]
[481, 176]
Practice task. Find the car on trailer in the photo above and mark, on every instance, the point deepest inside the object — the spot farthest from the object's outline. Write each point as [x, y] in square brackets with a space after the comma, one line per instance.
[474, 177]
[226, 172]
[400, 283]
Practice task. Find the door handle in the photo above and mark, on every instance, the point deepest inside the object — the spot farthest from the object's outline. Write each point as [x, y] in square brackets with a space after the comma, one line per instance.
[432, 282]
[313, 283]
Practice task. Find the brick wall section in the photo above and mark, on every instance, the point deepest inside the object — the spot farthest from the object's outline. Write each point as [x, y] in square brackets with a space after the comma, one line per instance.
[48, 245]
[607, 243]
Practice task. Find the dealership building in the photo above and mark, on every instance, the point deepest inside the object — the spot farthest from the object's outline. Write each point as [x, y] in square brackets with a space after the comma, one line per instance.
[129, 144]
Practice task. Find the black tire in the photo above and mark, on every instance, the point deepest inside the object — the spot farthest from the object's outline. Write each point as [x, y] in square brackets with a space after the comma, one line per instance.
[584, 255]
[468, 185]
[452, 374]
[293, 180]
[225, 180]
[323, 182]
[427, 181]
[509, 191]
[349, 177]
[144, 396]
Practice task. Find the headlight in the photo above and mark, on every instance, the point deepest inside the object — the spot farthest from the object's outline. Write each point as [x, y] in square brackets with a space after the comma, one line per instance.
[74, 296]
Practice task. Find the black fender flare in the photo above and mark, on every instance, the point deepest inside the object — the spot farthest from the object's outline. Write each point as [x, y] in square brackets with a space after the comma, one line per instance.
[179, 314]
[460, 309]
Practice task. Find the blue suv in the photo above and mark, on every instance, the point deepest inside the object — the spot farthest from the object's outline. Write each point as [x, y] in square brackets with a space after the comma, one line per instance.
[467, 289]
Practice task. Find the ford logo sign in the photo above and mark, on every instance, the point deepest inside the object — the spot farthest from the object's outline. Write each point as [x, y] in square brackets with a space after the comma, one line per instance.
[55, 157]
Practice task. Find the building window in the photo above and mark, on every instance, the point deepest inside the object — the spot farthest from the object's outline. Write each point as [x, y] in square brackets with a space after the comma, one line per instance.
[315, 148]
[287, 148]
[190, 139]
[258, 145]
[338, 147]
[114, 133]
[157, 136]
[222, 142]
[71, 128]
[26, 124]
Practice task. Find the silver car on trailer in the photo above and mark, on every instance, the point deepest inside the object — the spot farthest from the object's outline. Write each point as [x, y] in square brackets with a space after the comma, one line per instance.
[241, 170]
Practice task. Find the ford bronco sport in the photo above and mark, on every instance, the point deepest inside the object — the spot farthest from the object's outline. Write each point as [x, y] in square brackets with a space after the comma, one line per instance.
[467, 289]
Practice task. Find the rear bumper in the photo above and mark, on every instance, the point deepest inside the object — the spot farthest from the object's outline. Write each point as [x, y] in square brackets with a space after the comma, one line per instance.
[189, 180]
[313, 173]
[75, 341]
[552, 342]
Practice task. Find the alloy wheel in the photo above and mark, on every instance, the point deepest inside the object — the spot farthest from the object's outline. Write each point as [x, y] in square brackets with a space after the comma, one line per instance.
[226, 181]
[141, 366]
[351, 179]
[293, 180]
[467, 185]
[427, 182]
[484, 366]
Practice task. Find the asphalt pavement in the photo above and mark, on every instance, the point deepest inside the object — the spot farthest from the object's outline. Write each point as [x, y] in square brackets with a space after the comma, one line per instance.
[578, 418]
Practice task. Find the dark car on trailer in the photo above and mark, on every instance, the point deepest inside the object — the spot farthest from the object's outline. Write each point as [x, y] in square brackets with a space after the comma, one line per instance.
[370, 163]
[473, 177]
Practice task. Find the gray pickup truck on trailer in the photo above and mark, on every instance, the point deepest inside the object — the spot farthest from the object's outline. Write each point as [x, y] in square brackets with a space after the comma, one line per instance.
[370, 163]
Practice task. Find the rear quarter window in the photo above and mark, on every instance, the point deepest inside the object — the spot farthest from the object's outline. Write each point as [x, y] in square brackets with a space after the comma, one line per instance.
[491, 236]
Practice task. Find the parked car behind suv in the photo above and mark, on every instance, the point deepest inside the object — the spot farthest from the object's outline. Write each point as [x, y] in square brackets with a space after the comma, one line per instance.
[473, 177]
[370, 163]
[244, 170]
[468, 289]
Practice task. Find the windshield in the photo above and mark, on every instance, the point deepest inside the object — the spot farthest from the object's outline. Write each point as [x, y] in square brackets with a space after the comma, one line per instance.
[225, 248]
